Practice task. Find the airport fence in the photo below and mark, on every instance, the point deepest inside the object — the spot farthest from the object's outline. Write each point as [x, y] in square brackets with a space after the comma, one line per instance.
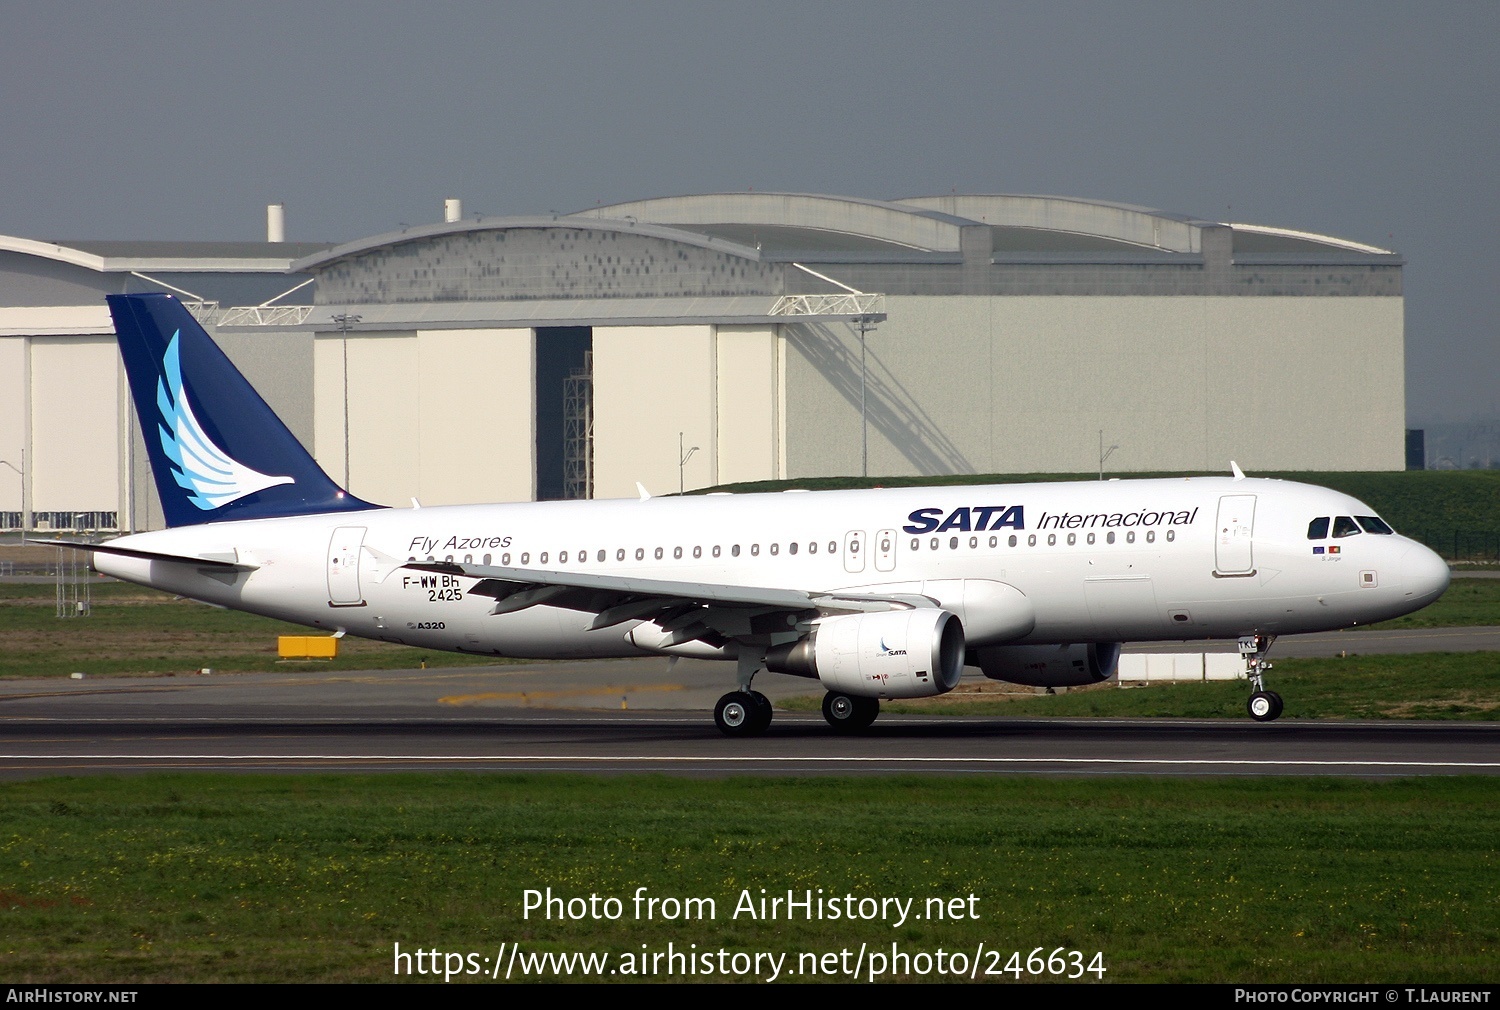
[1460, 545]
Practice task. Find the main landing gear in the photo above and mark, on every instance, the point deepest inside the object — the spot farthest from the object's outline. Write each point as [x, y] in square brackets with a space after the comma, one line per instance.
[1262, 705]
[745, 712]
[849, 713]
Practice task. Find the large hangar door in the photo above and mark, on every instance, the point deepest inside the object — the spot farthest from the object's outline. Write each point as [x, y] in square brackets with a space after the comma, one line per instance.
[562, 368]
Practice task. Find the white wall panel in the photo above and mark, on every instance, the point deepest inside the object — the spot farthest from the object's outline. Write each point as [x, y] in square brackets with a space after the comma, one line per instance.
[75, 434]
[477, 416]
[651, 382]
[444, 416]
[12, 419]
[1025, 384]
[747, 403]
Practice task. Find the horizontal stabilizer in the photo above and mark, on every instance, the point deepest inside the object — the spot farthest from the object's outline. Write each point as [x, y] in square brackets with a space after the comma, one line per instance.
[225, 560]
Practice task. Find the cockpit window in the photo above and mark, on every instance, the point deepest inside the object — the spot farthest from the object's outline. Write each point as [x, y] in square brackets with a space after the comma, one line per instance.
[1318, 529]
[1374, 524]
[1344, 526]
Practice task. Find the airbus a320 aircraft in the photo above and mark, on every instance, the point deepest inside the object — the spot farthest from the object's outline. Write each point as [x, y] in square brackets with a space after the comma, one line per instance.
[874, 593]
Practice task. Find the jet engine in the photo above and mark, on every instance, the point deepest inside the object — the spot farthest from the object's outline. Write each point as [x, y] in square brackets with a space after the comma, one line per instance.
[1048, 665]
[890, 654]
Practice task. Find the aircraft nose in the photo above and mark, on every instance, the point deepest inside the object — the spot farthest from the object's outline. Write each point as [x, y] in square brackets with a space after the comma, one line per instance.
[1425, 574]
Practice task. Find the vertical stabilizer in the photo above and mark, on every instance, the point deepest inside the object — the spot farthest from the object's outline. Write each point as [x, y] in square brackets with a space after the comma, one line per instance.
[218, 452]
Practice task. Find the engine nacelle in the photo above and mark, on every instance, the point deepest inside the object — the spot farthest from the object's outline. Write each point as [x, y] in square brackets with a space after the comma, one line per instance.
[891, 654]
[1048, 665]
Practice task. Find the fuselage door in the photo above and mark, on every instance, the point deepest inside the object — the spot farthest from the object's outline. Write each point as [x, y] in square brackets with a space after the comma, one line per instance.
[343, 567]
[854, 551]
[885, 550]
[1233, 548]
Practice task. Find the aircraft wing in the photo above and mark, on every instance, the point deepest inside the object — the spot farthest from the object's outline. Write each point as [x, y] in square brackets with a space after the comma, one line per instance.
[688, 610]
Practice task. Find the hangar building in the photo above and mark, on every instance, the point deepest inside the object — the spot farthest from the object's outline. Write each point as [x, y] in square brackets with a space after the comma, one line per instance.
[503, 359]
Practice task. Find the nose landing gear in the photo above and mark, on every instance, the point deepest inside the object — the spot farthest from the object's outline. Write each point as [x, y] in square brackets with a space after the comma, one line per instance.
[1263, 705]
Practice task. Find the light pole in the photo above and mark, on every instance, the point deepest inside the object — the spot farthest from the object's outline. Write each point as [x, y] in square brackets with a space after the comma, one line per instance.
[1103, 454]
[865, 326]
[682, 458]
[346, 320]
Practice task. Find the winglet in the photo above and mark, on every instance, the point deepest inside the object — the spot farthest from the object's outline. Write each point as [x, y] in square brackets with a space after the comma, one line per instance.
[645, 495]
[1235, 469]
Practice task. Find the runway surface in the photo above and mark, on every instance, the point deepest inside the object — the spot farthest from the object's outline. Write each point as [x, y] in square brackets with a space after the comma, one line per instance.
[569, 717]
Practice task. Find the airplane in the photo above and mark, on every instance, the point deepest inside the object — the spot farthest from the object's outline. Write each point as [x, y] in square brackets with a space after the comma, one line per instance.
[876, 594]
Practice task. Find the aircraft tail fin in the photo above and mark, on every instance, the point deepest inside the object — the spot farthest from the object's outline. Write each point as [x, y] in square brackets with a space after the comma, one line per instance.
[218, 451]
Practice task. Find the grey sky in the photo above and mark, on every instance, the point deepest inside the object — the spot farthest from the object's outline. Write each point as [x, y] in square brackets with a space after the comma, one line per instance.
[1378, 122]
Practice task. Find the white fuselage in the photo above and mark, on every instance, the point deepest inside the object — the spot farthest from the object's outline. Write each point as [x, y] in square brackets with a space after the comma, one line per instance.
[1129, 560]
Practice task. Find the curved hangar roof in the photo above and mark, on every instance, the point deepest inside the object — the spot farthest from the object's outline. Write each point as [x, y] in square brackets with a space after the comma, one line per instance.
[777, 227]
[782, 224]
[730, 247]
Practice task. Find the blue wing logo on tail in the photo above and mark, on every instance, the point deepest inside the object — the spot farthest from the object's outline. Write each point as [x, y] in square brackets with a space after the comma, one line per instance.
[200, 467]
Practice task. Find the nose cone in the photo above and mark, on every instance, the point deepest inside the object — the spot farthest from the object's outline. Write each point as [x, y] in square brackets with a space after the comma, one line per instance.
[1424, 574]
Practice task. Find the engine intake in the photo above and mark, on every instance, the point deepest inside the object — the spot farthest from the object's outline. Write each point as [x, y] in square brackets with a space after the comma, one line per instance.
[892, 654]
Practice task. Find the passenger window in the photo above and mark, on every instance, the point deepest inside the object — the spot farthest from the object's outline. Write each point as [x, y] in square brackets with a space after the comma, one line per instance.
[973, 542]
[697, 552]
[658, 553]
[812, 548]
[1072, 539]
[640, 554]
[735, 551]
[755, 550]
[1031, 540]
[1318, 529]
[1012, 541]
[791, 548]
[677, 552]
[775, 549]
[1091, 538]
[487, 559]
[525, 559]
[953, 543]
[1373, 525]
[1130, 537]
[994, 541]
[603, 555]
[916, 544]
[1344, 526]
[544, 557]
[619, 555]
[1051, 539]
[716, 550]
[1150, 536]
[833, 547]
[562, 557]
[1171, 535]
[1109, 537]
[933, 543]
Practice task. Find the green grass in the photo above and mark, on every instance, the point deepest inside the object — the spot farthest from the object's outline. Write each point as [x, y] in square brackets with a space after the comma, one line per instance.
[1441, 685]
[141, 631]
[1467, 603]
[314, 878]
